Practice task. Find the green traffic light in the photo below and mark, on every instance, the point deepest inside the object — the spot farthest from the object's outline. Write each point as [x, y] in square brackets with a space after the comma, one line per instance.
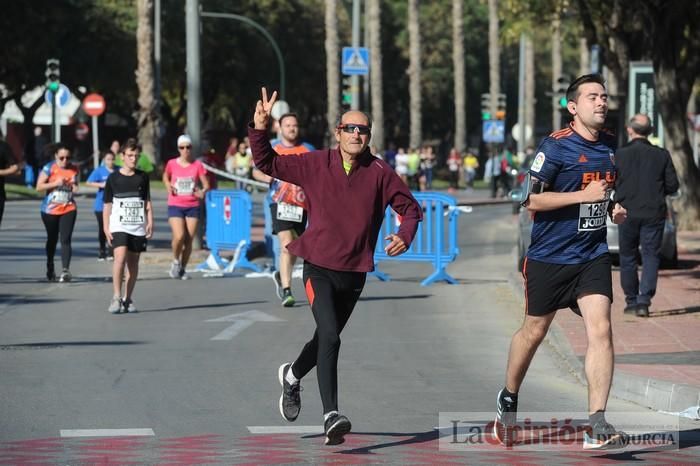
[485, 115]
[53, 86]
[562, 102]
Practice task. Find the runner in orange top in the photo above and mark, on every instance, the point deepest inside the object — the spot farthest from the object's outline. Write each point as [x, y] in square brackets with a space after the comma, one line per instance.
[58, 210]
[288, 207]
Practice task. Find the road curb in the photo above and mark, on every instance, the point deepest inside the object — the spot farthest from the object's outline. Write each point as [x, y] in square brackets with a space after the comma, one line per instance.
[659, 395]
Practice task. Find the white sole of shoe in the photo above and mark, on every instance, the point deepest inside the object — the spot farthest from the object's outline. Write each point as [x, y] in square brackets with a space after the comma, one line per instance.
[336, 434]
[280, 376]
[611, 444]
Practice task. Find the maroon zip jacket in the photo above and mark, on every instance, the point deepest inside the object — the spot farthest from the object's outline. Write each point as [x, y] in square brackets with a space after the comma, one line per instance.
[345, 211]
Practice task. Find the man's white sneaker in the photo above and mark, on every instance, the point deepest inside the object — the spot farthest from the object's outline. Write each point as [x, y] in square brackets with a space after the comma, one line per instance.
[174, 269]
[115, 305]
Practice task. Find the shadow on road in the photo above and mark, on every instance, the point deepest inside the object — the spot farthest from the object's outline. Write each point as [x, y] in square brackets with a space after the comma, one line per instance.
[203, 306]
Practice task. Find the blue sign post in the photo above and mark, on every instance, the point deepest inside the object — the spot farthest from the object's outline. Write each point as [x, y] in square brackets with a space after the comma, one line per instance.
[494, 131]
[355, 61]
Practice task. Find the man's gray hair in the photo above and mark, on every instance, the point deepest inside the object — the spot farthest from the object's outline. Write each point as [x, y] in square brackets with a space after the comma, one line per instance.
[339, 121]
[641, 126]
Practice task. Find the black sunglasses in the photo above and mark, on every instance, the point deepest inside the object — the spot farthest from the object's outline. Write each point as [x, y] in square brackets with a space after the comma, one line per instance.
[185, 147]
[351, 127]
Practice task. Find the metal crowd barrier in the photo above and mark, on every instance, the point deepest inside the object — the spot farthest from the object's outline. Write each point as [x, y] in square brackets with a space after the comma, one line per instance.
[435, 240]
[229, 220]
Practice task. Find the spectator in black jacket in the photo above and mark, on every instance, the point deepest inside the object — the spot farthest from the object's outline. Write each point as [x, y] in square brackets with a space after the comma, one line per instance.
[645, 177]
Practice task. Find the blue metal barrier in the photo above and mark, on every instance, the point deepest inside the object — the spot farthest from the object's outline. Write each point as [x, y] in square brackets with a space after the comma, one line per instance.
[272, 243]
[229, 220]
[435, 240]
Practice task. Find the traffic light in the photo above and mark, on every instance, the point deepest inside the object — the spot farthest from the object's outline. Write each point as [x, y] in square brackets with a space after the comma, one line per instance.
[560, 91]
[347, 90]
[485, 106]
[53, 74]
[501, 110]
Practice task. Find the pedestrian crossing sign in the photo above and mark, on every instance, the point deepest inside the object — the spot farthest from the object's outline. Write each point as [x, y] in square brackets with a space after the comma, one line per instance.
[494, 131]
[355, 60]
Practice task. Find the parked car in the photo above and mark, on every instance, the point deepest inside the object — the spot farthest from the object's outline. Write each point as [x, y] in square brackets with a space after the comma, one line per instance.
[669, 245]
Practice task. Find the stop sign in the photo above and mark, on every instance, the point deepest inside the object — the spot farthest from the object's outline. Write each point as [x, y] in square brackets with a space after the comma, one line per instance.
[94, 104]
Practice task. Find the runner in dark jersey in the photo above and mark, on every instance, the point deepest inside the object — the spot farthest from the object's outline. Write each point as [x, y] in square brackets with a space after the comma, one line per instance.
[347, 191]
[128, 220]
[8, 167]
[568, 264]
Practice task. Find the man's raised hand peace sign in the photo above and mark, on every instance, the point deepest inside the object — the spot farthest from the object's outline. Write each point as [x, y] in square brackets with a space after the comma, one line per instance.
[263, 108]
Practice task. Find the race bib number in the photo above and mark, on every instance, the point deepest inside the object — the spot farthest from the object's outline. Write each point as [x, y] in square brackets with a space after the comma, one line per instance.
[184, 185]
[592, 215]
[130, 211]
[289, 212]
[61, 196]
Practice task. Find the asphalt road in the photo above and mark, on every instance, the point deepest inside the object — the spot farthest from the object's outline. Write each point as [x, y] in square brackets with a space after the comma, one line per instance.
[192, 377]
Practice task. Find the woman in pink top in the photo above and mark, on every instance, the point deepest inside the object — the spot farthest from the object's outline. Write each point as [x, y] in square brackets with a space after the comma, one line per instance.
[186, 182]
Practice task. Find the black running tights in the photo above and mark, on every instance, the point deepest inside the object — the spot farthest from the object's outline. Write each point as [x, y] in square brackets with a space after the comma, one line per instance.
[55, 225]
[101, 232]
[332, 295]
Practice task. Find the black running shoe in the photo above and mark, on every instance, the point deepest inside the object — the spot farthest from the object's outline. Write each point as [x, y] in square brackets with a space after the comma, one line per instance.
[335, 427]
[506, 415]
[603, 436]
[287, 298]
[290, 400]
[50, 274]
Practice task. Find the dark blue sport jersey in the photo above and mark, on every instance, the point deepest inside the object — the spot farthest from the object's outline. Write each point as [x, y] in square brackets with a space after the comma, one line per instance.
[567, 162]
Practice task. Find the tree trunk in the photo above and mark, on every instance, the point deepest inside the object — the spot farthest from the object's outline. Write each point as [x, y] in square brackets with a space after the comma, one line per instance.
[332, 78]
[529, 90]
[673, 97]
[584, 57]
[556, 71]
[414, 73]
[147, 121]
[494, 57]
[375, 73]
[459, 76]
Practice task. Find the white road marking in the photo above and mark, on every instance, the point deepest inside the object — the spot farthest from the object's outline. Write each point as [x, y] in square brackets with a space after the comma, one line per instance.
[241, 321]
[285, 429]
[107, 433]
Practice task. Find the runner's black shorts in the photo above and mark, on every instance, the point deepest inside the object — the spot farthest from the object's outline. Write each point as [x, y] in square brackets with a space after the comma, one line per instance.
[549, 287]
[133, 243]
[284, 225]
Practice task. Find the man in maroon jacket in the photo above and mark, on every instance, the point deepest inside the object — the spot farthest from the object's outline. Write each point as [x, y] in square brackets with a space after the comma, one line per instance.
[347, 191]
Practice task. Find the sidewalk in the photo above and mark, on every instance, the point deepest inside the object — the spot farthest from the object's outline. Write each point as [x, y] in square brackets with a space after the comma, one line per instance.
[657, 359]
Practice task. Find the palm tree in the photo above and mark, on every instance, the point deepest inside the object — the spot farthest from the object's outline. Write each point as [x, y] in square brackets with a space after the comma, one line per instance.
[584, 57]
[332, 79]
[375, 45]
[494, 56]
[414, 73]
[556, 69]
[459, 78]
[529, 89]
[147, 120]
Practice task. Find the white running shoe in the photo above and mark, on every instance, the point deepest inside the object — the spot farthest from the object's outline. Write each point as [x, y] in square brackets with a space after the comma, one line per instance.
[65, 276]
[115, 305]
[175, 269]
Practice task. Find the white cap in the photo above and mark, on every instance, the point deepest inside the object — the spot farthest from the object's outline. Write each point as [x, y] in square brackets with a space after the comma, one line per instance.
[184, 139]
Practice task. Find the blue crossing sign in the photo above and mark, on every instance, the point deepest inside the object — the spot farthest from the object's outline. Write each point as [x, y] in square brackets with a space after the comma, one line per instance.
[355, 60]
[62, 96]
[494, 131]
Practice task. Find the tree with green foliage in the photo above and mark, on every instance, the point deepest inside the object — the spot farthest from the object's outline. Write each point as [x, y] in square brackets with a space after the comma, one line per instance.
[665, 33]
